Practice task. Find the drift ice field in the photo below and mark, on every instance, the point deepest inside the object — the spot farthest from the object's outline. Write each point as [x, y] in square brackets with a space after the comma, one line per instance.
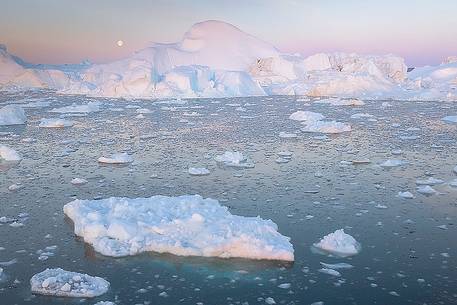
[220, 170]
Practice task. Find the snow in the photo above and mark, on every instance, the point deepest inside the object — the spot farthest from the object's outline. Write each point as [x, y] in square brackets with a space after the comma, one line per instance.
[12, 115]
[198, 171]
[8, 154]
[117, 158]
[233, 159]
[185, 225]
[61, 283]
[338, 243]
[55, 123]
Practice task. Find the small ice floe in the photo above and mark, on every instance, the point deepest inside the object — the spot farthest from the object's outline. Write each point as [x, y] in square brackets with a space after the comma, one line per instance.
[337, 266]
[406, 195]
[47, 252]
[234, 159]
[74, 108]
[9, 154]
[453, 183]
[338, 243]
[303, 116]
[285, 285]
[144, 111]
[105, 303]
[185, 225]
[361, 161]
[61, 283]
[55, 123]
[331, 127]
[270, 301]
[15, 187]
[426, 190]
[341, 102]
[78, 181]
[392, 163]
[361, 116]
[118, 158]
[12, 115]
[287, 135]
[450, 119]
[198, 171]
[330, 272]
[455, 169]
[429, 181]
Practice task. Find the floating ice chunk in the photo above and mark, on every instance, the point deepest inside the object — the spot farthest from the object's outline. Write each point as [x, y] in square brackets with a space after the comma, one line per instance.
[337, 266]
[270, 301]
[118, 158]
[287, 135]
[338, 243]
[429, 181]
[306, 116]
[326, 127]
[361, 116]
[406, 195]
[184, 225]
[361, 161]
[12, 115]
[58, 282]
[330, 271]
[105, 303]
[55, 123]
[426, 190]
[455, 169]
[341, 102]
[453, 183]
[144, 111]
[234, 159]
[284, 286]
[89, 107]
[392, 163]
[9, 154]
[78, 181]
[198, 171]
[450, 119]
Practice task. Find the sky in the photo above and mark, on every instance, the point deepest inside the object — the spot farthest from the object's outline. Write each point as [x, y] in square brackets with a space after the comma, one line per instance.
[69, 31]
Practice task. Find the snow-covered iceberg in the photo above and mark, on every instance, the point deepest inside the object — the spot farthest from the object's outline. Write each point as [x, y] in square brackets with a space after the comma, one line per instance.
[338, 243]
[62, 283]
[185, 225]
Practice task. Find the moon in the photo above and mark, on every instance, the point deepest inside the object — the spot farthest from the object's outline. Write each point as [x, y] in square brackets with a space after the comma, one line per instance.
[120, 43]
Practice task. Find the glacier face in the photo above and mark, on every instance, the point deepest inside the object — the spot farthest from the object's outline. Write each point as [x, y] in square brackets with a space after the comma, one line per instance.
[216, 59]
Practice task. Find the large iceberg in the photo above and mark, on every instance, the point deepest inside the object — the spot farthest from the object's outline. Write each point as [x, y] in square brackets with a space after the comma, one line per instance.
[185, 225]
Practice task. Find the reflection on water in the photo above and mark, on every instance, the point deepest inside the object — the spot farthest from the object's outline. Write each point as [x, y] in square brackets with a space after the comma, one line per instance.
[409, 253]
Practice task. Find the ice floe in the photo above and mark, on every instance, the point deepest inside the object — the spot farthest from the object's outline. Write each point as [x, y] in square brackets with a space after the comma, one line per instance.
[62, 283]
[234, 159]
[198, 171]
[9, 154]
[12, 115]
[338, 243]
[55, 123]
[185, 225]
[306, 116]
[331, 127]
[406, 195]
[117, 158]
[74, 108]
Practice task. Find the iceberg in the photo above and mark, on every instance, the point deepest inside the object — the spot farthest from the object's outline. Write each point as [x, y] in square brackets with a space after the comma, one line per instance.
[118, 158]
[339, 244]
[185, 225]
[62, 283]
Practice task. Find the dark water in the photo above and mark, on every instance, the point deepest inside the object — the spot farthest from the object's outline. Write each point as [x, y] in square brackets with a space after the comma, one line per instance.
[406, 258]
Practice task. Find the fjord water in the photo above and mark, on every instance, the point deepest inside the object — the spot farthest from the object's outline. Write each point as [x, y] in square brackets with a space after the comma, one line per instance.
[408, 245]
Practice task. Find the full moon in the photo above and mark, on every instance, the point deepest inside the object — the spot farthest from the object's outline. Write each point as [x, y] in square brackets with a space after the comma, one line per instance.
[120, 43]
